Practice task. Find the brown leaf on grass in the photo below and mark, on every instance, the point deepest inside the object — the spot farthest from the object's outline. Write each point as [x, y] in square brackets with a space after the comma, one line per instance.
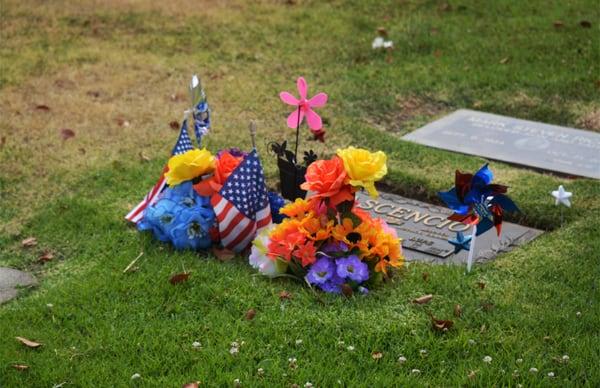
[42, 107]
[179, 278]
[121, 122]
[347, 290]
[504, 60]
[425, 276]
[2, 141]
[441, 324]
[67, 133]
[29, 242]
[382, 31]
[377, 355]
[174, 125]
[223, 254]
[250, 314]
[28, 343]
[585, 24]
[558, 24]
[481, 285]
[487, 306]
[20, 366]
[471, 375]
[423, 299]
[46, 256]
[143, 157]
[192, 384]
[285, 295]
[93, 93]
[457, 310]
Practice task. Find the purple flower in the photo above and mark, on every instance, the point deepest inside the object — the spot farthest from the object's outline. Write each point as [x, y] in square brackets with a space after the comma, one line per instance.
[234, 151]
[353, 268]
[321, 271]
[333, 285]
[334, 247]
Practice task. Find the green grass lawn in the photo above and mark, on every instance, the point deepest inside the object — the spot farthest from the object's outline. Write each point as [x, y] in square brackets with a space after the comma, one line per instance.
[116, 74]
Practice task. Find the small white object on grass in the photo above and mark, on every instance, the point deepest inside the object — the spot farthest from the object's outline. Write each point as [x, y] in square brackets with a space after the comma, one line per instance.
[415, 371]
[487, 359]
[196, 344]
[401, 359]
[550, 374]
[533, 370]
[377, 43]
[562, 196]
[135, 376]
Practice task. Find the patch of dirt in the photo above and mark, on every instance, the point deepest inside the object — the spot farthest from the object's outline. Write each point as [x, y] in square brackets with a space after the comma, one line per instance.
[590, 121]
[410, 112]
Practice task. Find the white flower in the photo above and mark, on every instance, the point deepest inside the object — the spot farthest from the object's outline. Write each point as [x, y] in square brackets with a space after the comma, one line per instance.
[237, 383]
[308, 384]
[298, 342]
[135, 376]
[533, 370]
[550, 374]
[377, 43]
[260, 371]
[49, 305]
[196, 344]
[234, 351]
[258, 256]
[423, 351]
[350, 348]
[415, 371]
[388, 44]
[565, 358]
[401, 359]
[578, 313]
[487, 359]
[471, 342]
[519, 360]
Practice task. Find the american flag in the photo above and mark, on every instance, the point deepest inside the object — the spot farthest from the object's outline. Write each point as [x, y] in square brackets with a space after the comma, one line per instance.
[242, 205]
[184, 144]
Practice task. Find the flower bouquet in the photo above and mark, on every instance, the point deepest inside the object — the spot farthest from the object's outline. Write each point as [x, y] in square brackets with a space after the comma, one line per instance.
[291, 170]
[202, 200]
[326, 239]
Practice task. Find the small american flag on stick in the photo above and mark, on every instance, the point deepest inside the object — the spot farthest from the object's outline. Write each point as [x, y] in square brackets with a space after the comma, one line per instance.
[242, 205]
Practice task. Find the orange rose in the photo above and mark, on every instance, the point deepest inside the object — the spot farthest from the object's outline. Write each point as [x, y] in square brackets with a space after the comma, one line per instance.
[326, 179]
[225, 165]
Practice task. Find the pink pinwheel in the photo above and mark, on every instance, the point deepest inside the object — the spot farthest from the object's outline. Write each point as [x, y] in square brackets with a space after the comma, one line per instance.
[305, 108]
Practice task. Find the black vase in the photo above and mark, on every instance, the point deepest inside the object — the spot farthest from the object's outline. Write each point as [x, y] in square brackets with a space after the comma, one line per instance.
[290, 178]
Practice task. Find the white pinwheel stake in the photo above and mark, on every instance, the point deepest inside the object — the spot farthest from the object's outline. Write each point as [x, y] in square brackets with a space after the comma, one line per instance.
[562, 197]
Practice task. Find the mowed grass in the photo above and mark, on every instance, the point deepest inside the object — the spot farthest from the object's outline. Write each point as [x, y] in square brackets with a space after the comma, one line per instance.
[97, 66]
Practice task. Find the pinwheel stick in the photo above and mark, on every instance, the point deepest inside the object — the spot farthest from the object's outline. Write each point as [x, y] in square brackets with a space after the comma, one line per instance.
[471, 249]
[252, 129]
[297, 136]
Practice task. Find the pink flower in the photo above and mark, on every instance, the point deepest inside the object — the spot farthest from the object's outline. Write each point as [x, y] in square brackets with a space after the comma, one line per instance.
[314, 120]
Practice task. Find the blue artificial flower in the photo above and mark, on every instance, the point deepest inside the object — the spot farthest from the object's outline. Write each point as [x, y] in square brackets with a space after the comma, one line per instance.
[159, 218]
[334, 248]
[276, 202]
[191, 229]
[333, 285]
[321, 271]
[352, 268]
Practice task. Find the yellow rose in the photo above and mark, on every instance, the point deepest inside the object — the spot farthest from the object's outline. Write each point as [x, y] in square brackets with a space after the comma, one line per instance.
[364, 168]
[189, 165]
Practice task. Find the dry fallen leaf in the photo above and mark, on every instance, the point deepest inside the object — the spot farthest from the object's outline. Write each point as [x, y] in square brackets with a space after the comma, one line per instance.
[441, 324]
[180, 277]
[46, 256]
[382, 31]
[377, 355]
[193, 384]
[483, 329]
[93, 93]
[558, 24]
[471, 375]
[67, 133]
[29, 242]
[121, 122]
[174, 125]
[504, 60]
[283, 295]
[425, 276]
[28, 343]
[585, 24]
[143, 157]
[347, 290]
[481, 285]
[43, 107]
[423, 299]
[250, 314]
[20, 366]
[223, 254]
[457, 310]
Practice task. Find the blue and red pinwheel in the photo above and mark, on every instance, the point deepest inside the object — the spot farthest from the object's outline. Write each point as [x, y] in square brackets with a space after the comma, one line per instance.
[477, 201]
